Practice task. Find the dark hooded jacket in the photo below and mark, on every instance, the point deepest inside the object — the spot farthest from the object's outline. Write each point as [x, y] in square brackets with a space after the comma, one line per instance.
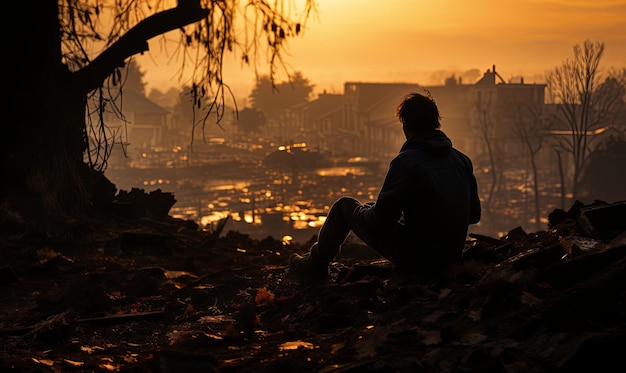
[428, 199]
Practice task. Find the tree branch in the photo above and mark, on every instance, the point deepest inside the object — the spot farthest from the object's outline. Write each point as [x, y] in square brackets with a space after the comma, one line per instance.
[135, 41]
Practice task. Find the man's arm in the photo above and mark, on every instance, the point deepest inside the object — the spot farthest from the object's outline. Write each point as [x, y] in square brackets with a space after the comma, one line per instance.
[392, 196]
[475, 210]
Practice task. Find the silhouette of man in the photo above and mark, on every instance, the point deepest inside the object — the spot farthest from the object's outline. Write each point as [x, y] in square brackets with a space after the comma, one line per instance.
[420, 219]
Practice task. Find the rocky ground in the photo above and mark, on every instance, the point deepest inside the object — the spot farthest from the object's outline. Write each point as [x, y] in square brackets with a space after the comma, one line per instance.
[139, 293]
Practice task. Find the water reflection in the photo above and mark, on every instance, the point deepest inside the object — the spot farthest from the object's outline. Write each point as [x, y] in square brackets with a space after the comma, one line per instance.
[341, 171]
[282, 206]
[289, 196]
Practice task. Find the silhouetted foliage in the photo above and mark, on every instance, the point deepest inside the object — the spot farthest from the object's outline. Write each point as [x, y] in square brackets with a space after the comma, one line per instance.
[604, 177]
[166, 99]
[271, 98]
[134, 79]
[250, 120]
[183, 110]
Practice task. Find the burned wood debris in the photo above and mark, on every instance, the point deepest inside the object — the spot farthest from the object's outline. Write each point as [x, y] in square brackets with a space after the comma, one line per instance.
[148, 293]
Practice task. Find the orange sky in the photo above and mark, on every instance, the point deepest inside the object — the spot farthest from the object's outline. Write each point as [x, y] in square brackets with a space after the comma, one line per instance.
[410, 40]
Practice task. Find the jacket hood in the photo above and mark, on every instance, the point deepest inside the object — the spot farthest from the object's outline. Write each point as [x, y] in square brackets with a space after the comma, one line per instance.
[435, 142]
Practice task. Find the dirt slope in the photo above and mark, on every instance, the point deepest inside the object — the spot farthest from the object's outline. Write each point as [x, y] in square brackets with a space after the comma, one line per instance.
[160, 295]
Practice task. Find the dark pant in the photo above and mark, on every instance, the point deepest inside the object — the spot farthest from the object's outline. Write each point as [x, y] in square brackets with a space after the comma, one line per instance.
[345, 215]
[348, 214]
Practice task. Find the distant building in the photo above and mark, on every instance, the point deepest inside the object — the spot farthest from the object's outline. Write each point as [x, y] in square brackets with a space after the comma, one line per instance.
[315, 123]
[362, 121]
[137, 120]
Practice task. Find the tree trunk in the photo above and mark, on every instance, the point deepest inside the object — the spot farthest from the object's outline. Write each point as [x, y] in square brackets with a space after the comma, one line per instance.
[42, 147]
[46, 181]
[561, 178]
[536, 191]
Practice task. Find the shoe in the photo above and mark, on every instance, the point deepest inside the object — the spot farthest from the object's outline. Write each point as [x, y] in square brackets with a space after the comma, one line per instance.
[305, 267]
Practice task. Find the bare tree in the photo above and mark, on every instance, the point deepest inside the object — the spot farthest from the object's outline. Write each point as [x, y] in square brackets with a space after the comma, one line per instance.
[530, 124]
[484, 123]
[583, 107]
[75, 56]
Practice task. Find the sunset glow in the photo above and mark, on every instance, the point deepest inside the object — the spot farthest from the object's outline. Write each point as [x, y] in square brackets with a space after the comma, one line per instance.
[415, 41]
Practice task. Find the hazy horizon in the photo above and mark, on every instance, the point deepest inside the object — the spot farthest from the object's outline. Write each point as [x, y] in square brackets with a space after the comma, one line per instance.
[418, 42]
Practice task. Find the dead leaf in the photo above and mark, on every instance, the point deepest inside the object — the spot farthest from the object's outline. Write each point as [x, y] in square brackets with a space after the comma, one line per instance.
[44, 361]
[189, 309]
[177, 274]
[366, 347]
[444, 293]
[294, 345]
[335, 347]
[430, 337]
[216, 319]
[470, 339]
[264, 296]
[433, 317]
[91, 350]
[110, 367]
[74, 363]
[529, 299]
[130, 358]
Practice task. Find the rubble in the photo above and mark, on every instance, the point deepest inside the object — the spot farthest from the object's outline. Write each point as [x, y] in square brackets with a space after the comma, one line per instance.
[157, 294]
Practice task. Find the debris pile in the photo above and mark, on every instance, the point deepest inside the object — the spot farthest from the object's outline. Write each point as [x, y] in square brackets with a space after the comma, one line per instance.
[157, 294]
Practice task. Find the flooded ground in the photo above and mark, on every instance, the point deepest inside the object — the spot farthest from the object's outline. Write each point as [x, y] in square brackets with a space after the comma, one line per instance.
[289, 197]
[286, 201]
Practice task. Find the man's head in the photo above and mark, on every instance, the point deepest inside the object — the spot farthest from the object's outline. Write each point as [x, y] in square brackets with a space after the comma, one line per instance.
[418, 113]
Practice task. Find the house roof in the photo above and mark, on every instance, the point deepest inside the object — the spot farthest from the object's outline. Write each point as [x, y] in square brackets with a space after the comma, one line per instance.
[137, 103]
[371, 95]
[324, 105]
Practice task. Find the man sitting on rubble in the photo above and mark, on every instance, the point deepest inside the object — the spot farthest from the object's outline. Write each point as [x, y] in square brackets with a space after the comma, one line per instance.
[420, 219]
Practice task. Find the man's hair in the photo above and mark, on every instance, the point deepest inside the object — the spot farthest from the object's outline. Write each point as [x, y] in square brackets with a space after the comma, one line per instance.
[418, 112]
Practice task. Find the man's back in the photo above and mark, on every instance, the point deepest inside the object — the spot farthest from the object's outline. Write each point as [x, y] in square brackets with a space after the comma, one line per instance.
[431, 187]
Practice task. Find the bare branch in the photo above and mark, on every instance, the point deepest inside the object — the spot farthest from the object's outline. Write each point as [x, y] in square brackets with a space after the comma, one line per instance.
[134, 41]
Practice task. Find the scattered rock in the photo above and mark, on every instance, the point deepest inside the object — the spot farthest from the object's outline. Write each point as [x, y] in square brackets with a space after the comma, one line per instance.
[152, 293]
